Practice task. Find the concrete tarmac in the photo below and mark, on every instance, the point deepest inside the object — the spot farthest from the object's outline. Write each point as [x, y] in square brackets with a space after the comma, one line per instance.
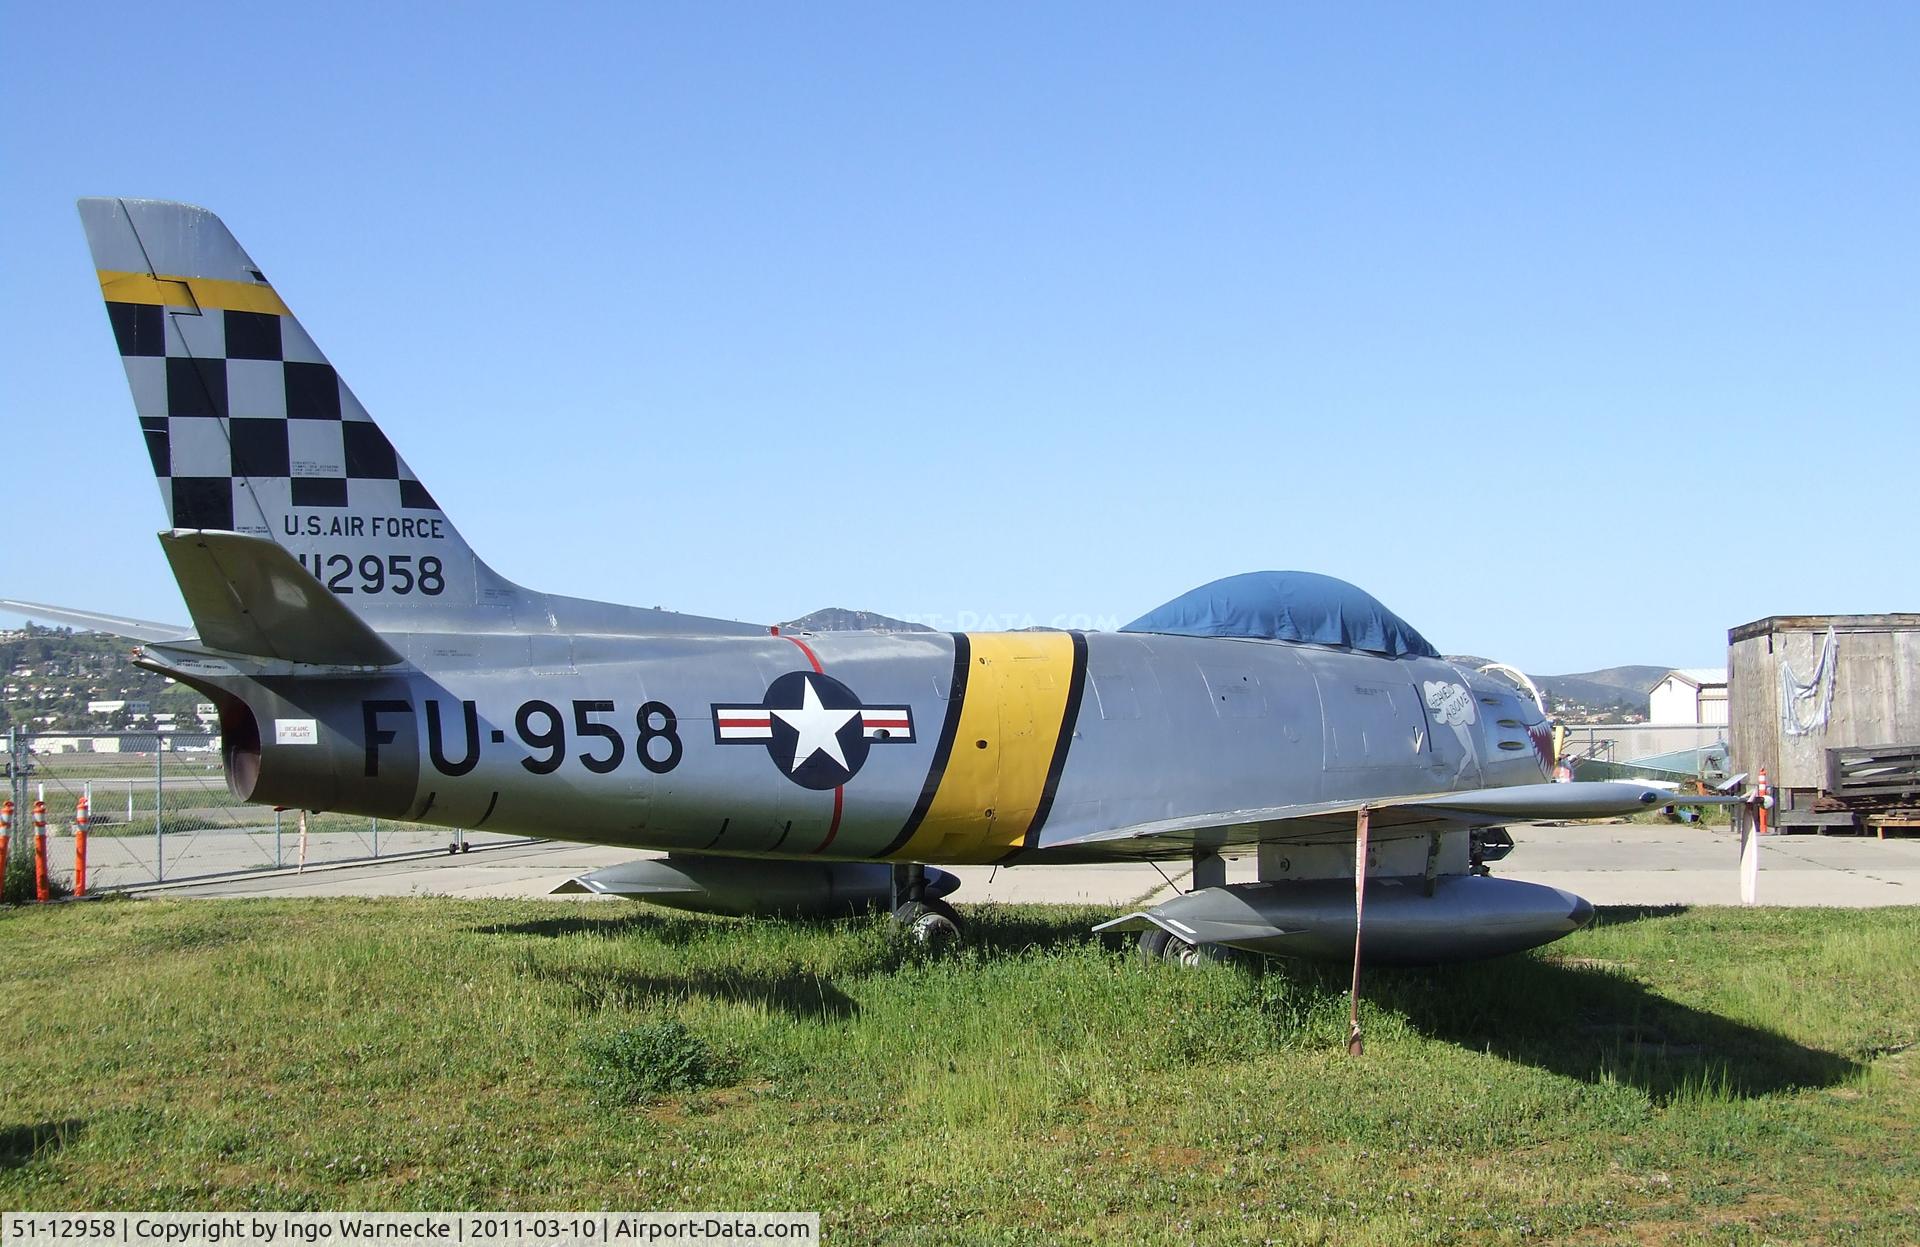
[1608, 863]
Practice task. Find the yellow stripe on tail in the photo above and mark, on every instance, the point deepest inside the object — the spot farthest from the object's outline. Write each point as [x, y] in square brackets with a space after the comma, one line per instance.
[194, 293]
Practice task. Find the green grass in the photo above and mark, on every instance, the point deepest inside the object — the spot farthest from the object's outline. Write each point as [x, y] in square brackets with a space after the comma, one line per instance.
[1711, 1076]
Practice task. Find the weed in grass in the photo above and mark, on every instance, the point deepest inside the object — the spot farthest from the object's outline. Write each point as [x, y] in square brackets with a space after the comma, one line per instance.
[16, 880]
[644, 1062]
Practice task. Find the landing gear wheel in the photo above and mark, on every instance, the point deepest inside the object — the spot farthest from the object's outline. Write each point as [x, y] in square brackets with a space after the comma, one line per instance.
[931, 924]
[1186, 953]
[1153, 943]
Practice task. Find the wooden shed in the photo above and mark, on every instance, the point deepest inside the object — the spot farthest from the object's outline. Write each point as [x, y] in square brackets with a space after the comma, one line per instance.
[1836, 724]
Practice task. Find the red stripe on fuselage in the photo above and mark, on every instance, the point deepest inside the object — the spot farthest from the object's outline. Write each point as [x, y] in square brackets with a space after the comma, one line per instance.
[833, 828]
[811, 656]
[839, 794]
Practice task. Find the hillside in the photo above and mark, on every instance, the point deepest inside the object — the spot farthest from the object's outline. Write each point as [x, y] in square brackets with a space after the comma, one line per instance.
[50, 674]
[1625, 688]
[840, 619]
[1638, 679]
[1609, 692]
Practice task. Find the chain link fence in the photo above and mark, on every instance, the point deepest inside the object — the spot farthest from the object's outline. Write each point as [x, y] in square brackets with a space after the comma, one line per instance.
[1661, 750]
[160, 812]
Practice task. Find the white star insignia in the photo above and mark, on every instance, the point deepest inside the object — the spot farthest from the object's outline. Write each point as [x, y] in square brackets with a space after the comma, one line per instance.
[818, 728]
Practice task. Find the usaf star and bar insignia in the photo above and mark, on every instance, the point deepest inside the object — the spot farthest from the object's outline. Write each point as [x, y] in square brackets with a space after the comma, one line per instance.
[813, 727]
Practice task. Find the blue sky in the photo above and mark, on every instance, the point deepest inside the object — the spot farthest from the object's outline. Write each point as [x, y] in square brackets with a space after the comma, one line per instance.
[1576, 335]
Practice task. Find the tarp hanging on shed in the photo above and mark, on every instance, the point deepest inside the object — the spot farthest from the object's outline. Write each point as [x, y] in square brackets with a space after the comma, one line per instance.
[1288, 606]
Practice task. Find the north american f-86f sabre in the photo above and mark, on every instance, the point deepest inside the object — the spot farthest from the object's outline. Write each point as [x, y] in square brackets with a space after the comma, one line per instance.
[365, 659]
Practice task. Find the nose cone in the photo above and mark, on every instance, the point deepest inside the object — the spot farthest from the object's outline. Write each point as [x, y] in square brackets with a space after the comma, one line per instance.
[1582, 912]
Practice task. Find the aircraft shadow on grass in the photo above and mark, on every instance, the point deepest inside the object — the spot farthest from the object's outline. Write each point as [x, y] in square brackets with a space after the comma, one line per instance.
[1618, 915]
[1577, 1019]
[22, 1145]
[801, 994]
[993, 929]
[1590, 1021]
[805, 996]
[632, 920]
[1597, 1025]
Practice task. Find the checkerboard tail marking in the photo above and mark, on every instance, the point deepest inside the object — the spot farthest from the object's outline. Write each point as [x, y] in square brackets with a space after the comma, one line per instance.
[248, 426]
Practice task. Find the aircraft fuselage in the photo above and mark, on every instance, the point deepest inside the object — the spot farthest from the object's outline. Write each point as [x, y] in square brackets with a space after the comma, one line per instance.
[930, 747]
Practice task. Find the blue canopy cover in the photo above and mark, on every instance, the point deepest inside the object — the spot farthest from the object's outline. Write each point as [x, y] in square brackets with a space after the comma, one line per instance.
[1288, 606]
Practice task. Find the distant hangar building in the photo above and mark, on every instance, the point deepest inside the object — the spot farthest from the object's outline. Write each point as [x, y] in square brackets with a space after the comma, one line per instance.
[1695, 695]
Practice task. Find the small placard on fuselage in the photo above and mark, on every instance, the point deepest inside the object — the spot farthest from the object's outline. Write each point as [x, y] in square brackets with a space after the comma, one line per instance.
[296, 732]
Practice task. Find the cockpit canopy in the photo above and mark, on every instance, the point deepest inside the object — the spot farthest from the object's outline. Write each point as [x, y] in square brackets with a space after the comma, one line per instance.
[1288, 606]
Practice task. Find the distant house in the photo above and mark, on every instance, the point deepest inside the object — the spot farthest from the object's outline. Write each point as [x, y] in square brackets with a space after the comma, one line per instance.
[115, 707]
[75, 744]
[1696, 695]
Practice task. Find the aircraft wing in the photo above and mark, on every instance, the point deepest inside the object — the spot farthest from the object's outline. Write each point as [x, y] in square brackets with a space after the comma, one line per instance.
[1390, 818]
[94, 621]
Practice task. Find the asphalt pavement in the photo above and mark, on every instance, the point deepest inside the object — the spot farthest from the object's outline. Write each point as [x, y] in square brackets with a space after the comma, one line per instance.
[1608, 863]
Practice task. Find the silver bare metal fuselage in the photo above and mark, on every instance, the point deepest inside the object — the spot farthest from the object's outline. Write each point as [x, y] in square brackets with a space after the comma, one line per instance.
[1009, 743]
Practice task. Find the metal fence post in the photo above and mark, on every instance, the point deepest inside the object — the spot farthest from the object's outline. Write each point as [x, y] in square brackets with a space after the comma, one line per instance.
[13, 782]
[376, 837]
[16, 775]
[159, 825]
[277, 863]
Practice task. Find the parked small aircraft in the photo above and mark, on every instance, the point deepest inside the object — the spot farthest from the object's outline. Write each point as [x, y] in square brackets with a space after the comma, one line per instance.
[365, 659]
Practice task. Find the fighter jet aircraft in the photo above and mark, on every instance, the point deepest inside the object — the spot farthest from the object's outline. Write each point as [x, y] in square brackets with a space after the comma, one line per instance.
[365, 659]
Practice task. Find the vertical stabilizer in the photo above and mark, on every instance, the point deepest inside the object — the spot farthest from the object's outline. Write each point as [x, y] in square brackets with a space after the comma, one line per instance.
[252, 431]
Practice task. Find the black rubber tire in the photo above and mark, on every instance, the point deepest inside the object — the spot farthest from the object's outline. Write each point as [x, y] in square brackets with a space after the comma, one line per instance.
[932, 924]
[1186, 953]
[1153, 943]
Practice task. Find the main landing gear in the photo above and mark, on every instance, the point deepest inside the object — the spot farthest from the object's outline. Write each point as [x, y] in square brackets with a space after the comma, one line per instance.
[1157, 944]
[929, 921]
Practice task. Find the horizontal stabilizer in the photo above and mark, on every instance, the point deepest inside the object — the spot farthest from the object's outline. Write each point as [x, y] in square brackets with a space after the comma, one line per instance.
[94, 621]
[248, 595]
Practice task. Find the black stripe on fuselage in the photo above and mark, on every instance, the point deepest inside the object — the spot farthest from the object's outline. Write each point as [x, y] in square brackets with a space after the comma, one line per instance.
[943, 749]
[1069, 719]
